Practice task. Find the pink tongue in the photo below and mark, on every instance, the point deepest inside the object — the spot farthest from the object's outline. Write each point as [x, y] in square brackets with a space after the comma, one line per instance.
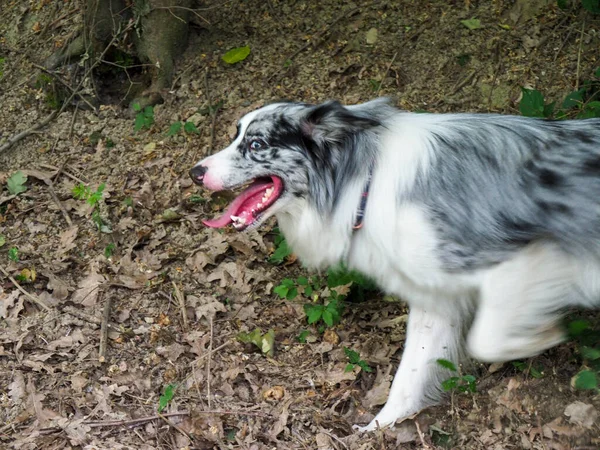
[255, 188]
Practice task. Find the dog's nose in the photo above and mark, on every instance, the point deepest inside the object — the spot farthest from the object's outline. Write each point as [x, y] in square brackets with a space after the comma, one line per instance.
[197, 173]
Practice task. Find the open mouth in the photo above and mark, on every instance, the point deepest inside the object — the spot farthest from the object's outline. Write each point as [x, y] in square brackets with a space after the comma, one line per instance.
[249, 205]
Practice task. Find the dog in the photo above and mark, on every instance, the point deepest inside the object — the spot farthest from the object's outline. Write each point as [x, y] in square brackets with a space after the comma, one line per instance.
[487, 225]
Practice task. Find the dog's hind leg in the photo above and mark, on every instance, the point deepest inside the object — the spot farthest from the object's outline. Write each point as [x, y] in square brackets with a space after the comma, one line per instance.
[417, 384]
[521, 300]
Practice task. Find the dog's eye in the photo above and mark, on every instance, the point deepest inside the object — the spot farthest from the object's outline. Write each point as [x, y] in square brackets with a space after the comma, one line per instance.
[256, 145]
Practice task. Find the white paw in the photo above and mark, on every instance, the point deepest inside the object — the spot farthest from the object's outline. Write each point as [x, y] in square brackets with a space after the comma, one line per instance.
[381, 420]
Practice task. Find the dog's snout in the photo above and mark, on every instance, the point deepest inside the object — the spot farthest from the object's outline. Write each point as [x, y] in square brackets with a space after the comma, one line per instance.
[197, 173]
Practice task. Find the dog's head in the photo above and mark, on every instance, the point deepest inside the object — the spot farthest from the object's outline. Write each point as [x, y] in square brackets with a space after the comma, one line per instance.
[285, 153]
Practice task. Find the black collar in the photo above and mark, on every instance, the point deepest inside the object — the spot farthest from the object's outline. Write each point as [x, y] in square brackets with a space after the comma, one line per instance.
[360, 212]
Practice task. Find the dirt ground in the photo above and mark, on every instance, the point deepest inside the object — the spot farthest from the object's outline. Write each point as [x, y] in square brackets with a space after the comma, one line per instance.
[179, 293]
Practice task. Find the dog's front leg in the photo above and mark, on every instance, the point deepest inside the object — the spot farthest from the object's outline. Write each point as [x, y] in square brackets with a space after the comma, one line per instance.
[417, 384]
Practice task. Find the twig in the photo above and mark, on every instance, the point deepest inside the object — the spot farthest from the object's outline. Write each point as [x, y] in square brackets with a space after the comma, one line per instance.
[70, 175]
[69, 309]
[32, 297]
[60, 205]
[421, 435]
[213, 113]
[177, 427]
[16, 138]
[385, 74]
[64, 83]
[210, 344]
[464, 82]
[104, 329]
[72, 127]
[193, 11]
[579, 55]
[334, 437]
[181, 301]
[23, 134]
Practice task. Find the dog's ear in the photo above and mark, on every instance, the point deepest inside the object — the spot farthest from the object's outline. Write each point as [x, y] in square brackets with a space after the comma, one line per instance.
[333, 122]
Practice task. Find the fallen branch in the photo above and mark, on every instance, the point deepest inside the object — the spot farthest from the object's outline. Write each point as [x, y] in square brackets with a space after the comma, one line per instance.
[104, 329]
[32, 297]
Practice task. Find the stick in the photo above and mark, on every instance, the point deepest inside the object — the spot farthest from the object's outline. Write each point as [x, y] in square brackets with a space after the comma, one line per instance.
[70, 175]
[177, 427]
[23, 134]
[579, 55]
[32, 297]
[60, 205]
[69, 309]
[64, 83]
[181, 301]
[385, 74]
[104, 330]
[213, 113]
[210, 344]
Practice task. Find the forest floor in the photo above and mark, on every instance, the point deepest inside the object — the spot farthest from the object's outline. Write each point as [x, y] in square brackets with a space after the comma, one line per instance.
[179, 294]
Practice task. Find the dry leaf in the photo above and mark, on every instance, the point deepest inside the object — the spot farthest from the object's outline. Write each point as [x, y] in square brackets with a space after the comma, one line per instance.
[88, 290]
[581, 414]
[171, 352]
[16, 389]
[7, 301]
[274, 393]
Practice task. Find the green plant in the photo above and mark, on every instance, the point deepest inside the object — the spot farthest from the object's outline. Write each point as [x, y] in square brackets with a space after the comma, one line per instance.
[13, 254]
[354, 360]
[282, 250]
[472, 23]
[236, 55]
[2, 61]
[528, 369]
[144, 118]
[330, 313]
[188, 127]
[2, 240]
[109, 250]
[93, 198]
[166, 397]
[587, 339]
[265, 342]
[580, 103]
[460, 383]
[16, 183]
[302, 336]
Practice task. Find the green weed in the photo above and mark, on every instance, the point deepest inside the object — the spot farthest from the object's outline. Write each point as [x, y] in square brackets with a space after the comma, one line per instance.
[282, 250]
[188, 128]
[144, 118]
[587, 340]
[16, 183]
[166, 397]
[93, 198]
[460, 383]
[13, 254]
[355, 360]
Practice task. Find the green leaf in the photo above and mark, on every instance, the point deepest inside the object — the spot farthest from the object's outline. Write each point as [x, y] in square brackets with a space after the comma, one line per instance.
[13, 254]
[573, 99]
[313, 312]
[328, 318]
[450, 383]
[236, 55]
[472, 23]
[268, 343]
[302, 281]
[190, 127]
[352, 355]
[137, 107]
[302, 336]
[281, 252]
[166, 397]
[139, 122]
[81, 192]
[349, 367]
[446, 364]
[590, 110]
[535, 373]
[592, 6]
[281, 290]
[577, 327]
[293, 292]
[562, 4]
[532, 103]
[2, 240]
[16, 183]
[108, 250]
[174, 129]
[586, 379]
[364, 366]
[590, 353]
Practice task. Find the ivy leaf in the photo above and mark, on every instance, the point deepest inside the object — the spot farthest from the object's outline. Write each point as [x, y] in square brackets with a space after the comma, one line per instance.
[236, 55]
[174, 129]
[328, 318]
[166, 397]
[313, 313]
[450, 383]
[16, 183]
[190, 127]
[447, 364]
[472, 23]
[532, 103]
[586, 379]
[281, 290]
